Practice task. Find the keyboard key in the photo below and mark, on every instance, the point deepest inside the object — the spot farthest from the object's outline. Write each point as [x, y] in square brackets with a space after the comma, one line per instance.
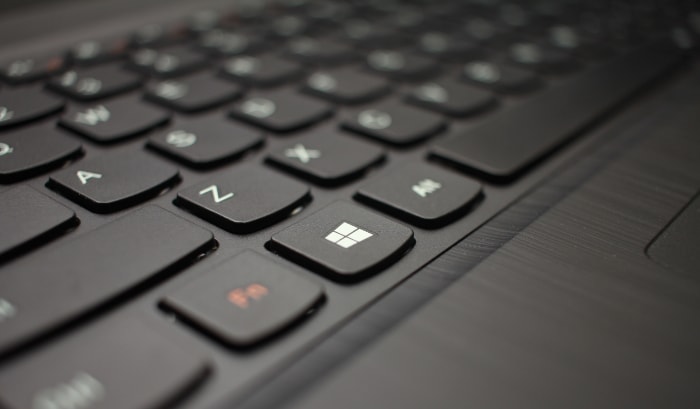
[447, 46]
[155, 35]
[408, 19]
[246, 199]
[228, 43]
[319, 51]
[327, 157]
[29, 151]
[114, 181]
[114, 120]
[515, 16]
[261, 71]
[204, 21]
[366, 33]
[246, 299]
[498, 77]
[344, 242]
[31, 217]
[99, 368]
[421, 194]
[345, 86]
[92, 52]
[281, 111]
[401, 65]
[485, 30]
[194, 93]
[166, 63]
[205, 142]
[451, 98]
[514, 139]
[94, 83]
[394, 123]
[289, 26]
[571, 40]
[252, 12]
[20, 105]
[541, 58]
[329, 14]
[104, 264]
[23, 70]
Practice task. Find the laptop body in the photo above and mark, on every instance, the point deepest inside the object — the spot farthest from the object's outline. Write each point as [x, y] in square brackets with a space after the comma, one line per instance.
[579, 299]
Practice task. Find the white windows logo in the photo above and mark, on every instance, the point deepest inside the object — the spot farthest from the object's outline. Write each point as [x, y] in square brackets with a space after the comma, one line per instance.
[346, 235]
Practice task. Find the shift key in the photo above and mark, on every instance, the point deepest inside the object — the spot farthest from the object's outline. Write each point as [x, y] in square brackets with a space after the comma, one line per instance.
[509, 142]
[48, 290]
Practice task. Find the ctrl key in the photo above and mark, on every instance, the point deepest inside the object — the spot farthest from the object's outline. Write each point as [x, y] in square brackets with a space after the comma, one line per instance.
[125, 364]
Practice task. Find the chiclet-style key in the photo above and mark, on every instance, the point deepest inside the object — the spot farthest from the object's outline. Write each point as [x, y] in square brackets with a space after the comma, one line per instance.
[115, 181]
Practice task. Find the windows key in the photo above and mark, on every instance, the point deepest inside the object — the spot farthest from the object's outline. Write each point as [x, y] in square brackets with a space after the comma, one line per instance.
[344, 242]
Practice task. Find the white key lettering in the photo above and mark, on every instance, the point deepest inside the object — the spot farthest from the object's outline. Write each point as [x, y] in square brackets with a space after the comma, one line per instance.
[259, 107]
[426, 187]
[214, 190]
[20, 68]
[432, 92]
[181, 139]
[93, 116]
[7, 310]
[374, 119]
[81, 392]
[89, 86]
[171, 90]
[5, 149]
[302, 153]
[6, 114]
[85, 176]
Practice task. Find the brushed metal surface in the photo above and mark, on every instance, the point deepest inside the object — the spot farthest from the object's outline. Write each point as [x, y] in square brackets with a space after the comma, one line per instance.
[677, 246]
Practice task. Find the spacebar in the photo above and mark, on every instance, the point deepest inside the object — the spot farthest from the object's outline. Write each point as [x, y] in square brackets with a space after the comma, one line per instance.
[514, 139]
[49, 289]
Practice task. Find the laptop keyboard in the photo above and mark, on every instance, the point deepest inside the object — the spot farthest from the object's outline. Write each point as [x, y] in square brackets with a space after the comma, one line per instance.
[262, 174]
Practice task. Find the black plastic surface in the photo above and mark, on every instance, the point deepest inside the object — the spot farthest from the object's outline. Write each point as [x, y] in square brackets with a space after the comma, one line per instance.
[58, 286]
[104, 369]
[30, 216]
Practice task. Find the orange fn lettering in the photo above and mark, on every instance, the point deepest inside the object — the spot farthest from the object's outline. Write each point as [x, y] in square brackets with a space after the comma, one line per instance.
[240, 297]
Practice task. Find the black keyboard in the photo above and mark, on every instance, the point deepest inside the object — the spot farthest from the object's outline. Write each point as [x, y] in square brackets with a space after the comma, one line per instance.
[188, 207]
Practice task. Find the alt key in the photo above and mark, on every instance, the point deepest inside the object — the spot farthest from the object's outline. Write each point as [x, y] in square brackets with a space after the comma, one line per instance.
[422, 194]
[246, 299]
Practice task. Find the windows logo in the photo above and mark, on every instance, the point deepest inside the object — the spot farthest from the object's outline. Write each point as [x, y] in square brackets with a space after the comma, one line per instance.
[346, 235]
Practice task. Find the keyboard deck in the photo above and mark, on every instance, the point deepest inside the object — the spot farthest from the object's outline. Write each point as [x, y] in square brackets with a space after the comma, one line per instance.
[200, 201]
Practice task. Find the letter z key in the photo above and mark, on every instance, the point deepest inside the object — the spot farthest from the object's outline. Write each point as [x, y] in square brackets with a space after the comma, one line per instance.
[244, 200]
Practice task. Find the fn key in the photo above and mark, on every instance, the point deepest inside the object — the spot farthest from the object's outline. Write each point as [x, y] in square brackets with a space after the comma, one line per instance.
[246, 299]
[124, 364]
